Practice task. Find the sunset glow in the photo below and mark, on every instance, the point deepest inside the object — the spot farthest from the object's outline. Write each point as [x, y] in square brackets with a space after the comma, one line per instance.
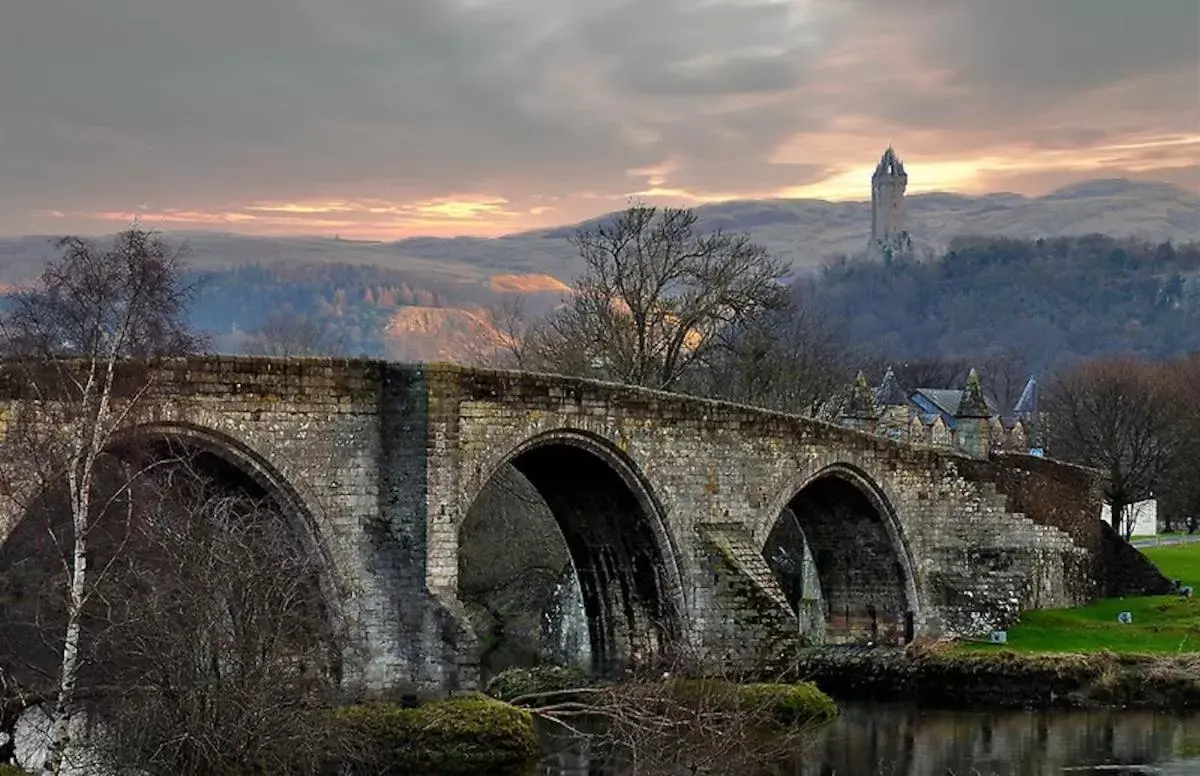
[472, 121]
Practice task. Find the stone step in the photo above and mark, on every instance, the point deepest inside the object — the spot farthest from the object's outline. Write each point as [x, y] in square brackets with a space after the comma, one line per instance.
[737, 546]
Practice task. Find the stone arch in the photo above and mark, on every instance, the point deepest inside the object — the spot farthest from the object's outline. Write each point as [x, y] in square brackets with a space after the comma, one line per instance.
[300, 509]
[617, 537]
[206, 451]
[841, 522]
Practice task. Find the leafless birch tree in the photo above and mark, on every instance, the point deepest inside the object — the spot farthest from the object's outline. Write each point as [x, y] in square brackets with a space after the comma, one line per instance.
[63, 340]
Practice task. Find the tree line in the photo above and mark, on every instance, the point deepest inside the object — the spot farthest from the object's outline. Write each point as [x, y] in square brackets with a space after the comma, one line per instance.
[1055, 300]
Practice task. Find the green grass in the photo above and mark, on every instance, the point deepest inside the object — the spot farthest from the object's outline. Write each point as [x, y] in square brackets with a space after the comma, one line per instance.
[1178, 561]
[1160, 623]
[1163, 535]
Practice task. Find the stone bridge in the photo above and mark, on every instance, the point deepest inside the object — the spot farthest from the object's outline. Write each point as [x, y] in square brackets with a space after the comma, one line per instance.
[689, 521]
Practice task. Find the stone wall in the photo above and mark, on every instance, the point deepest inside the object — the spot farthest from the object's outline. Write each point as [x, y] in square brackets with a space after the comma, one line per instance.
[382, 463]
[969, 562]
[1068, 498]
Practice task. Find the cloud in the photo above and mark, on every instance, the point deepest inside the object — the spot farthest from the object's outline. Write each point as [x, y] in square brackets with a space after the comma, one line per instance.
[483, 116]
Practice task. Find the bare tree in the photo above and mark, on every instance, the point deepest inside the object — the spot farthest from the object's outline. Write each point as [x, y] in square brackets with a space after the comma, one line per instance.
[1179, 489]
[513, 342]
[664, 723]
[796, 359]
[1004, 376]
[64, 339]
[288, 334]
[206, 644]
[655, 297]
[1115, 415]
[930, 372]
[218, 643]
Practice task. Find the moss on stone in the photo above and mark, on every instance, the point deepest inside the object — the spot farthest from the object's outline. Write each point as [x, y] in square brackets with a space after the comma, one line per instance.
[784, 704]
[517, 682]
[464, 734]
[789, 704]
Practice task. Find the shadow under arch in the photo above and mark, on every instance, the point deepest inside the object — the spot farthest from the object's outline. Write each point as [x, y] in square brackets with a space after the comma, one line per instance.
[150, 475]
[175, 439]
[839, 519]
[617, 538]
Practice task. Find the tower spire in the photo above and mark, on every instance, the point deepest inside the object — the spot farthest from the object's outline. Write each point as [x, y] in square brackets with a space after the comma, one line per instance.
[889, 235]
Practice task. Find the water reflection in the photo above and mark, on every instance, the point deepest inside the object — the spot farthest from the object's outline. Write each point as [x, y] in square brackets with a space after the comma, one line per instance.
[893, 740]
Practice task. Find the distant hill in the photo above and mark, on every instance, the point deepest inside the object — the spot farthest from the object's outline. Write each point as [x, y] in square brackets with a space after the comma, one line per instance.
[363, 286]
[1050, 300]
[805, 231]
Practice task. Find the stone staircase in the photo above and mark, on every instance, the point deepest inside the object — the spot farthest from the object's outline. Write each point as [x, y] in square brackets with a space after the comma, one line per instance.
[751, 609]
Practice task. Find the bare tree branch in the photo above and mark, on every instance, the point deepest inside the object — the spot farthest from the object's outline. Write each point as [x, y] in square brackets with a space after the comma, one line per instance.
[655, 298]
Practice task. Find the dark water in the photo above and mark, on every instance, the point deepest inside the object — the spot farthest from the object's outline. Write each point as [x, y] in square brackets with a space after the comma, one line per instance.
[891, 740]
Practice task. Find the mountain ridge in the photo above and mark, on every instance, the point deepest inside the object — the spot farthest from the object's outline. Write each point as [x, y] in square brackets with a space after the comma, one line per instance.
[364, 287]
[804, 231]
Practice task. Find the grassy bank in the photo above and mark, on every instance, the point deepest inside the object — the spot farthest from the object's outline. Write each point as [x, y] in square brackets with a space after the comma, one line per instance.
[1054, 657]
[1161, 624]
[944, 676]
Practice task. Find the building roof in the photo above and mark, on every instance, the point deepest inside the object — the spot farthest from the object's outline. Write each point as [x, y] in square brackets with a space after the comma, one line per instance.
[861, 403]
[945, 402]
[890, 164]
[973, 404]
[889, 393]
[1027, 404]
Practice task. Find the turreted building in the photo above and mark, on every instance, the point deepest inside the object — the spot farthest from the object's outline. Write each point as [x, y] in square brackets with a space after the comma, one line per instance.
[889, 233]
[965, 419]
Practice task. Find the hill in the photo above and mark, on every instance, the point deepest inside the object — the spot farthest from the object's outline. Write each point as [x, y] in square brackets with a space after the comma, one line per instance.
[806, 232]
[363, 287]
[1052, 300]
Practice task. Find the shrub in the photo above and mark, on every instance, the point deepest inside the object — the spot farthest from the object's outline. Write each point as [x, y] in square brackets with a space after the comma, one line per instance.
[517, 682]
[465, 734]
[788, 704]
[784, 704]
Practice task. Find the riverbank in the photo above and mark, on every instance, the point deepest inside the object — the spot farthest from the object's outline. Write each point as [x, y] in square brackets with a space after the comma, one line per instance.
[946, 676]
[1156, 624]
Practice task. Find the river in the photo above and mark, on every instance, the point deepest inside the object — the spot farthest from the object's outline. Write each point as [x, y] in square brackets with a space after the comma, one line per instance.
[896, 740]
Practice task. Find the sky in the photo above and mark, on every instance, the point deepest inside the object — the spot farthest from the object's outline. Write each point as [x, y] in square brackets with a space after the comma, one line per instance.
[382, 119]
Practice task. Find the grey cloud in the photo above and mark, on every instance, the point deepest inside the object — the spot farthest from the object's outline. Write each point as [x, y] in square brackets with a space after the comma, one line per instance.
[1008, 60]
[176, 99]
[212, 103]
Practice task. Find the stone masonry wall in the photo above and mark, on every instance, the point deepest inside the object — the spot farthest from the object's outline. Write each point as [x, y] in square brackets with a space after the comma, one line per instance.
[381, 463]
[1068, 498]
[311, 431]
[974, 564]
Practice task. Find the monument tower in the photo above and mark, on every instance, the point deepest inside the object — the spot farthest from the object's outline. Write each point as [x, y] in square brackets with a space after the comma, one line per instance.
[889, 235]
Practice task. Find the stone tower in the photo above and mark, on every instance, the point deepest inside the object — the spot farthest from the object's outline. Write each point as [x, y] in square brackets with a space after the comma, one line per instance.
[889, 234]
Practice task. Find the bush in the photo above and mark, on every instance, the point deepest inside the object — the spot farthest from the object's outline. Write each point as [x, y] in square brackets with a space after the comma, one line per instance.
[517, 682]
[784, 704]
[465, 734]
[788, 704]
